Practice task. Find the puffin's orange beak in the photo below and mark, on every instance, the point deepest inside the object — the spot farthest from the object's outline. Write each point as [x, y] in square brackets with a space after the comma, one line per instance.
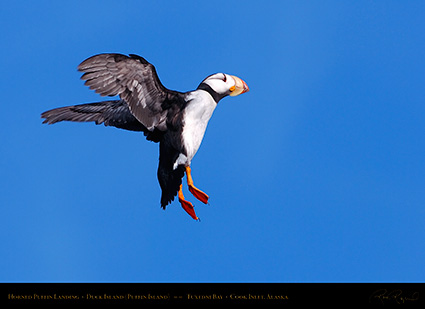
[239, 87]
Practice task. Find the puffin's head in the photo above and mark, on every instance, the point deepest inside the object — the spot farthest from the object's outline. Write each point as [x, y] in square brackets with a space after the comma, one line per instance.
[223, 85]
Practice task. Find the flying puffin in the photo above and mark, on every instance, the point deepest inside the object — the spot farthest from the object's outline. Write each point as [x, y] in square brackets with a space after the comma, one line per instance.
[177, 120]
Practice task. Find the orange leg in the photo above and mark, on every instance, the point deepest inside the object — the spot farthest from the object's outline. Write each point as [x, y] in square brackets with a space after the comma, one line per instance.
[203, 197]
[187, 206]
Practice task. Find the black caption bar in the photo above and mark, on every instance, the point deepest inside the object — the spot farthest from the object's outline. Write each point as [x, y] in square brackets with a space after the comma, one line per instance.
[213, 293]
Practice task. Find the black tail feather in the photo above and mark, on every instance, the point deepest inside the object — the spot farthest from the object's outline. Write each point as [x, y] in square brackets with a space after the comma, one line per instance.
[169, 179]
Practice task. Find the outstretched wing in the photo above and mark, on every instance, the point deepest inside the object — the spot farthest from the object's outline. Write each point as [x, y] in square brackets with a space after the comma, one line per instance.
[110, 113]
[136, 82]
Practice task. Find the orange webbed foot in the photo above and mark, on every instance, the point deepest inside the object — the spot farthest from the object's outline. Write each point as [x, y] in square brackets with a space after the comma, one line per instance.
[202, 196]
[187, 206]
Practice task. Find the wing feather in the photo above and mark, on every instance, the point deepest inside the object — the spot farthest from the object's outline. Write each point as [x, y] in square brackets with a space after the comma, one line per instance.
[136, 82]
[110, 113]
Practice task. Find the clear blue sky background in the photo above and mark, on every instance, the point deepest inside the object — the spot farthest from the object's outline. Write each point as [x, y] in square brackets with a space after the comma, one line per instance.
[316, 175]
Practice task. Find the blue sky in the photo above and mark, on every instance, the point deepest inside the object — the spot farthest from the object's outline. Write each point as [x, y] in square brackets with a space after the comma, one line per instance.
[316, 175]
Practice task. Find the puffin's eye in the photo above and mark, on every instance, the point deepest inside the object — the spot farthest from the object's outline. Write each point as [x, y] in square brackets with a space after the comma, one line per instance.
[224, 78]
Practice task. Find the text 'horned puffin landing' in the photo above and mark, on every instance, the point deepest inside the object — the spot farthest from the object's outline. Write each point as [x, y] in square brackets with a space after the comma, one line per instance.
[177, 120]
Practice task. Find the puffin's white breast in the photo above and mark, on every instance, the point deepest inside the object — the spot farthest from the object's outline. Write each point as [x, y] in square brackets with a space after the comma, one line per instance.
[197, 113]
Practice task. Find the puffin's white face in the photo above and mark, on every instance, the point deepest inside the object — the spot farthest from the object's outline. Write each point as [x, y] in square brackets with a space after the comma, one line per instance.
[225, 84]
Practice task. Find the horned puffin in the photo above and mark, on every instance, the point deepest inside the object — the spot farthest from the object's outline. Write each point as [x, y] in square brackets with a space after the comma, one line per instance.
[175, 120]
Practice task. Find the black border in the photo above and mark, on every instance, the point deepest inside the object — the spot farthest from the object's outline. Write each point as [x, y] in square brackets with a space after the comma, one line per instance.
[381, 294]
